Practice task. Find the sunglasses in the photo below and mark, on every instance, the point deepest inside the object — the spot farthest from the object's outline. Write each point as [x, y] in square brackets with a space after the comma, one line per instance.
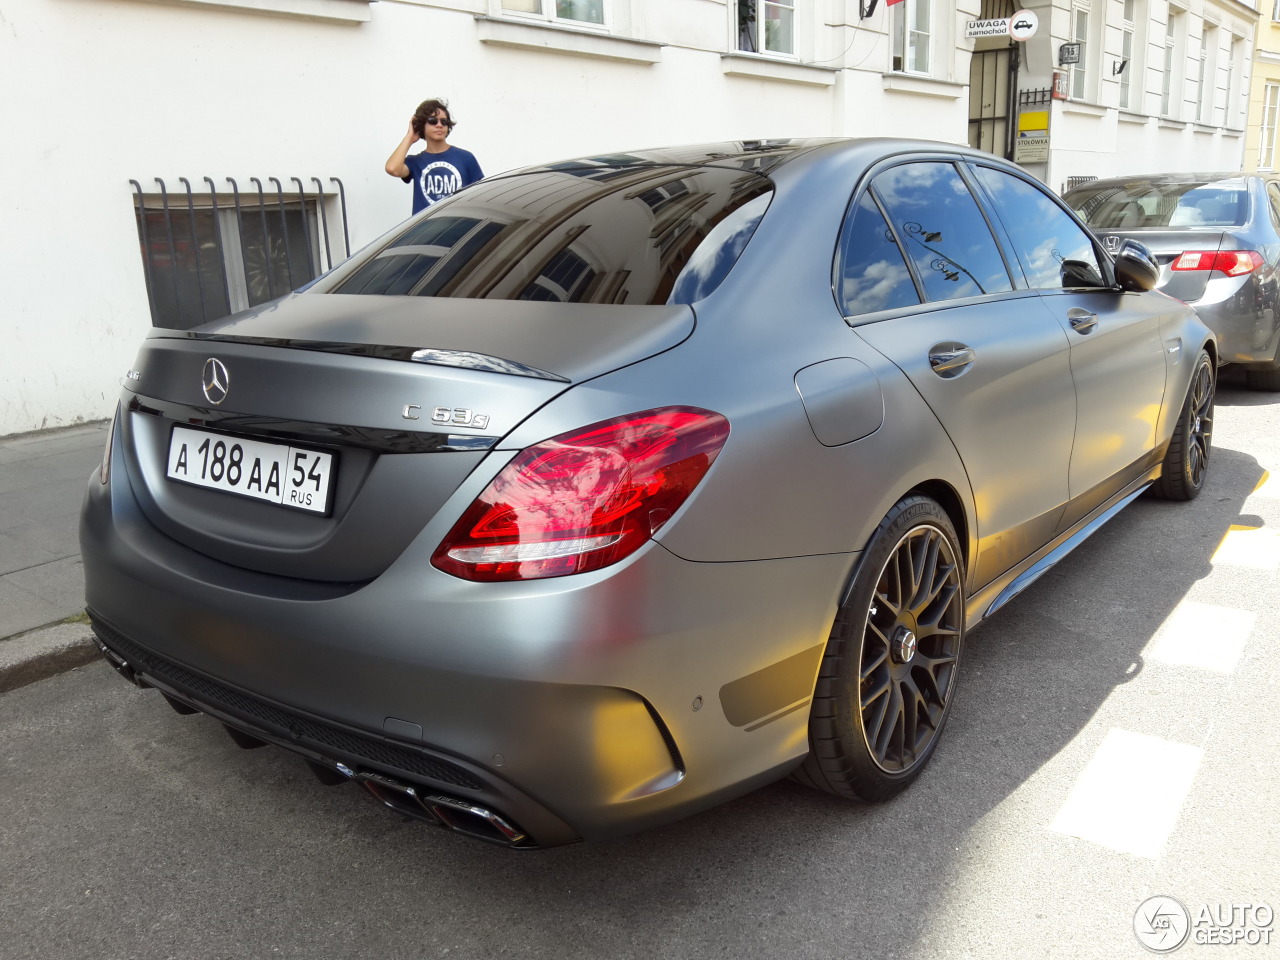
[432, 121]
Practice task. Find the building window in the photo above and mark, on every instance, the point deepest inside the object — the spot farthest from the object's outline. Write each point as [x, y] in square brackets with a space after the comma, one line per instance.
[1126, 60]
[1275, 10]
[205, 255]
[766, 26]
[912, 36]
[1233, 93]
[1166, 81]
[1207, 89]
[1080, 34]
[1267, 143]
[570, 11]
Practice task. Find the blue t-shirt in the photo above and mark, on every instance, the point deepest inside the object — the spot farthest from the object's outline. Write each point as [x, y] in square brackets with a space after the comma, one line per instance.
[438, 175]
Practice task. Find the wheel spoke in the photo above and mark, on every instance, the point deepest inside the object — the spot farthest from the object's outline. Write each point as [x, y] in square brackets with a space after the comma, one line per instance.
[873, 663]
[876, 715]
[926, 572]
[891, 730]
[910, 698]
[933, 691]
[940, 602]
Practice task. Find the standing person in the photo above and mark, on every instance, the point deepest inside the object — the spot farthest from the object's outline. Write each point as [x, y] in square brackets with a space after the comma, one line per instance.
[441, 169]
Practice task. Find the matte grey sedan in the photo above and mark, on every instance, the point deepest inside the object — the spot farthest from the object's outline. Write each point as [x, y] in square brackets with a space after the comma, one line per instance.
[610, 489]
[1216, 237]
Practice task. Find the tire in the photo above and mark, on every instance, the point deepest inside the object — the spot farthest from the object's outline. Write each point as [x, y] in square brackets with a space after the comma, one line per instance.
[1263, 379]
[1186, 462]
[888, 676]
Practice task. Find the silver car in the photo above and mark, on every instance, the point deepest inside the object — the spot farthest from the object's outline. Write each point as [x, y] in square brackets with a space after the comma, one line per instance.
[610, 489]
[1216, 237]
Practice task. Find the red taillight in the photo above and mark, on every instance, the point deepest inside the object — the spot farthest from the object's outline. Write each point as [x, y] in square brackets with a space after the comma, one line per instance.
[583, 500]
[1234, 263]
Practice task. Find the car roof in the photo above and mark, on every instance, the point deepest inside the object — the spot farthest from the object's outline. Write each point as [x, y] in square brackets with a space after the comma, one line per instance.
[764, 156]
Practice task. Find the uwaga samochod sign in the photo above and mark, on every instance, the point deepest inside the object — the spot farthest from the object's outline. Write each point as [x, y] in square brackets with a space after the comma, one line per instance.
[1021, 26]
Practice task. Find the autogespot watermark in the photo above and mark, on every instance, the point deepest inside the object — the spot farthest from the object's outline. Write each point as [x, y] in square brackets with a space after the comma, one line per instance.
[1163, 924]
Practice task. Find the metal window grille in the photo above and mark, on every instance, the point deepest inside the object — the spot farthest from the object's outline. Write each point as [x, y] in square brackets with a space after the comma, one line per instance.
[210, 253]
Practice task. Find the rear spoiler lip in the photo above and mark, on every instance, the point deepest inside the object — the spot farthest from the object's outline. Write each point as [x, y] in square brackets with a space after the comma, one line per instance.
[462, 359]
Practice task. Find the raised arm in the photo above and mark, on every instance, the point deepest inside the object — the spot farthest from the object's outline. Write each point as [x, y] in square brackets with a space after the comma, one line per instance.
[395, 163]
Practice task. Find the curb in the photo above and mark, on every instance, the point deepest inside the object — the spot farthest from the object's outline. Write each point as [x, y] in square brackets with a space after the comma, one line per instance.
[45, 652]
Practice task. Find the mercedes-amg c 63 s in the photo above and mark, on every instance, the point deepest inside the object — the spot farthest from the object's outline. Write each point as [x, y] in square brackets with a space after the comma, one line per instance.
[609, 489]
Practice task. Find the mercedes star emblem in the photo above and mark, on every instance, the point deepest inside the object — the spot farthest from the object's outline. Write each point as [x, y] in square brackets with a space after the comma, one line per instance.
[215, 381]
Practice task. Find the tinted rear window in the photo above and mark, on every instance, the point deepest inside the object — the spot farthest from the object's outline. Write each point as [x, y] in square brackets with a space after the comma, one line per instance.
[1194, 203]
[577, 234]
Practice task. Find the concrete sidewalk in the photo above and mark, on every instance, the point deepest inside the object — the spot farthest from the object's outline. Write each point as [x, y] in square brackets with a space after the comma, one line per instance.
[42, 481]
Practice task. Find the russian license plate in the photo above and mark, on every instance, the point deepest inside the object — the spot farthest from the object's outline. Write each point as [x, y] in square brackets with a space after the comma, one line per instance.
[290, 476]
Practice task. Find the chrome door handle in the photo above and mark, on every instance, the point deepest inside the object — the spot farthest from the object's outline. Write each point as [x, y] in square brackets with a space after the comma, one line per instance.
[951, 359]
[1082, 321]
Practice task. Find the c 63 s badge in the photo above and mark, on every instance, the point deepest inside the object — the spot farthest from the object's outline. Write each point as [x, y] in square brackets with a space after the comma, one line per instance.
[460, 417]
[454, 416]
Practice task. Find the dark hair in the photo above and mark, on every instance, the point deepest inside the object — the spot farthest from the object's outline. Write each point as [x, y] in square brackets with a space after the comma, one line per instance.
[428, 108]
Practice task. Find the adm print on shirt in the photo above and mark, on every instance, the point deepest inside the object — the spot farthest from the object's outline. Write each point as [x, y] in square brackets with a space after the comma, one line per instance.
[436, 176]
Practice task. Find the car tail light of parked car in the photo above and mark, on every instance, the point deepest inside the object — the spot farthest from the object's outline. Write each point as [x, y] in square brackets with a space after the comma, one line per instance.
[584, 500]
[1234, 263]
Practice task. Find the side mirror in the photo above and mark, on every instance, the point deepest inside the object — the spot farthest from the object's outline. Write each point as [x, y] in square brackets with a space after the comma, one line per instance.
[1136, 268]
[1080, 273]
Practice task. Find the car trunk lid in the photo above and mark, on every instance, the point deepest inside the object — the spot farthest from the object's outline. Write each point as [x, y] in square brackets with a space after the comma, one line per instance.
[406, 396]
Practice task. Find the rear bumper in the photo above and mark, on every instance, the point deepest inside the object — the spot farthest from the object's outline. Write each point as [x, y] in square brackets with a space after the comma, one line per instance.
[579, 707]
[1248, 329]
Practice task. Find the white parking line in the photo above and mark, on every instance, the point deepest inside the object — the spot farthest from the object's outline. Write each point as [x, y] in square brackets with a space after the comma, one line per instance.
[1129, 795]
[1268, 486]
[1202, 635]
[1254, 547]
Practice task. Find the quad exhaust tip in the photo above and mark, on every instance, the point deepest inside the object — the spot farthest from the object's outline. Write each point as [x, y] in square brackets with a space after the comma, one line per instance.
[459, 815]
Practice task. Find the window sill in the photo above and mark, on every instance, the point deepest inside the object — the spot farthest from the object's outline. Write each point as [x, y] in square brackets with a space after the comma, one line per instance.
[331, 11]
[924, 86]
[554, 38]
[1127, 116]
[1168, 123]
[758, 67]
[1209, 129]
[1084, 108]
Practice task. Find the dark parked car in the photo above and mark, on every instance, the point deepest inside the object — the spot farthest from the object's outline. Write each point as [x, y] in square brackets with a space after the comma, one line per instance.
[610, 489]
[1217, 239]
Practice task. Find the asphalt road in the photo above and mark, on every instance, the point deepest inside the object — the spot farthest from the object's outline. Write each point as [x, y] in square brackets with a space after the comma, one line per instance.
[1114, 739]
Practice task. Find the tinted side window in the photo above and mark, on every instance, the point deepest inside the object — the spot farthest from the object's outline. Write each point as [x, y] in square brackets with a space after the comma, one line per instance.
[1055, 251]
[942, 230]
[871, 274]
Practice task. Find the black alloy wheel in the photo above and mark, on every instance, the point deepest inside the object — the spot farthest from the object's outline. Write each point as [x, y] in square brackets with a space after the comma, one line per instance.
[887, 680]
[1186, 462]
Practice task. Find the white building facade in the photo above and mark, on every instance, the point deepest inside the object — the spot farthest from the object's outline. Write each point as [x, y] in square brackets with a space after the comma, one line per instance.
[173, 161]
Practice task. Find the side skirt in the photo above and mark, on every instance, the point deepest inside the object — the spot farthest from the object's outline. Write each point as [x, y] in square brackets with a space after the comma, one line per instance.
[983, 603]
